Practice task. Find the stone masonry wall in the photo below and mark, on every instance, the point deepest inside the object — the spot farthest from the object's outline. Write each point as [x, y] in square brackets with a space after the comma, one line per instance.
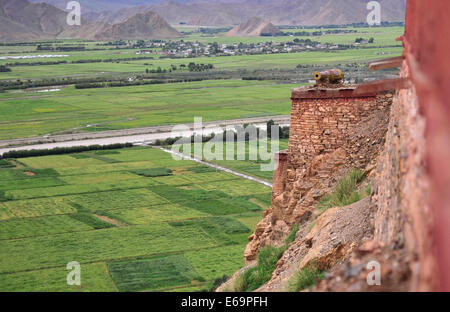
[320, 126]
[404, 219]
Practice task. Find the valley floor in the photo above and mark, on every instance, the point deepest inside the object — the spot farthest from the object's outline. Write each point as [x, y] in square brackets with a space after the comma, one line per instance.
[135, 219]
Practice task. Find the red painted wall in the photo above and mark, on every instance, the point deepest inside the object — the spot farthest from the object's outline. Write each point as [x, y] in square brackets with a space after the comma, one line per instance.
[427, 51]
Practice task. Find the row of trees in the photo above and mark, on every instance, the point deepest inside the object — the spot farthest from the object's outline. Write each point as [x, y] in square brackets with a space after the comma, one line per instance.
[81, 61]
[361, 40]
[66, 48]
[63, 150]
[199, 67]
[4, 69]
[134, 83]
[241, 132]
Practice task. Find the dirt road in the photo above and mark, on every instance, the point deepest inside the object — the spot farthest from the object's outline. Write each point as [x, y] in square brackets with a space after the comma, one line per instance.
[135, 136]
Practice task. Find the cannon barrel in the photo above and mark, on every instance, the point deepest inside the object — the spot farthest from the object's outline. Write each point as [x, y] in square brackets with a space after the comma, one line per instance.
[329, 76]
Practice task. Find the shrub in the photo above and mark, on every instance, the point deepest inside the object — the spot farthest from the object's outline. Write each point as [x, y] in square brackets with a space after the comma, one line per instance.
[268, 257]
[6, 164]
[4, 69]
[307, 277]
[257, 276]
[346, 192]
[3, 197]
[218, 282]
[292, 235]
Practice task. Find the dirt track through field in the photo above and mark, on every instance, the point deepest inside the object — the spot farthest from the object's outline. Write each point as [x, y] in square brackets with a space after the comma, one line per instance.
[183, 156]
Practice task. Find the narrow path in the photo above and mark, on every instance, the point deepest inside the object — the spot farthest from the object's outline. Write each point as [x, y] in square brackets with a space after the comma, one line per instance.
[183, 156]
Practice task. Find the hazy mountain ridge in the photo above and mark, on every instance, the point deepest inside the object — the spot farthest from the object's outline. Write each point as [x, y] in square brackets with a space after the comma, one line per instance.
[233, 12]
[23, 20]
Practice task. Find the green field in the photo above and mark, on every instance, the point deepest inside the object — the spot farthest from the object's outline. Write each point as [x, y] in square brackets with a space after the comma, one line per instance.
[31, 114]
[246, 166]
[178, 228]
[248, 62]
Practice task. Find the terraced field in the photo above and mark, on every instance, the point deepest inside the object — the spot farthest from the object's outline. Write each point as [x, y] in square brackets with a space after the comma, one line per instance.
[136, 220]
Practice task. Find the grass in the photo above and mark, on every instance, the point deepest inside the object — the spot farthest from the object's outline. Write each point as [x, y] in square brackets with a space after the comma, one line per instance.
[6, 164]
[346, 192]
[247, 166]
[153, 273]
[256, 276]
[306, 278]
[41, 226]
[228, 63]
[292, 234]
[22, 114]
[94, 276]
[91, 220]
[47, 220]
[207, 265]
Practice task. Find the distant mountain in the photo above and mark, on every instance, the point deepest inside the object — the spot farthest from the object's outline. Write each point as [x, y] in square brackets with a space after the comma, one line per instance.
[255, 26]
[234, 12]
[21, 20]
[140, 26]
[101, 5]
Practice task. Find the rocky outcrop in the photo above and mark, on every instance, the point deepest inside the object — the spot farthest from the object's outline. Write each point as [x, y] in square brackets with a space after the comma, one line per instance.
[352, 275]
[334, 236]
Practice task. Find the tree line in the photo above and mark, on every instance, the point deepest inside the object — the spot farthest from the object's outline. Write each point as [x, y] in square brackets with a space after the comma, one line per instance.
[62, 150]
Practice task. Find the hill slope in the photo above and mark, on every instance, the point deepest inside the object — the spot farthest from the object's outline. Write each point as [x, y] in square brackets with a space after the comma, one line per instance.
[22, 20]
[255, 26]
[141, 26]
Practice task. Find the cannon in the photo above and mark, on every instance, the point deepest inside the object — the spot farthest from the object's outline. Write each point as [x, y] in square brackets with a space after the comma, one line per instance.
[332, 76]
